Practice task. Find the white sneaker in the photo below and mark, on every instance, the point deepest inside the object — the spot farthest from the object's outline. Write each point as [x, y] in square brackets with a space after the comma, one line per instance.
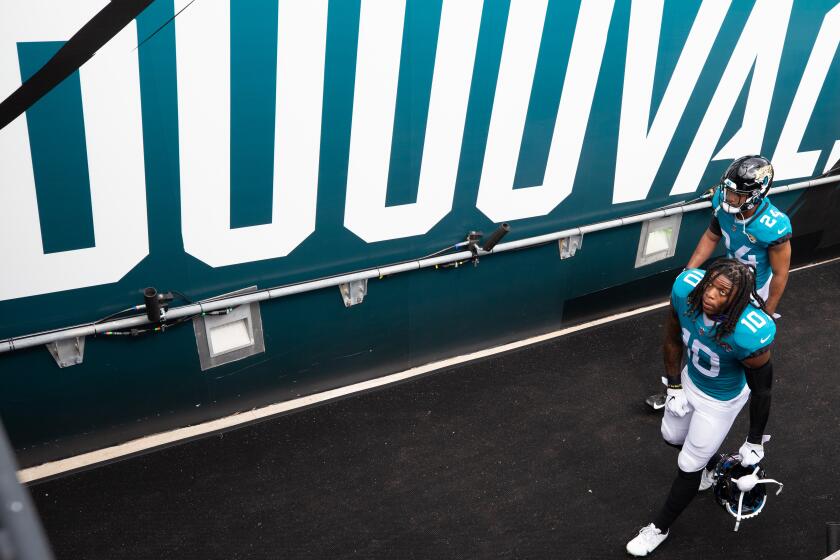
[648, 539]
[657, 401]
[707, 480]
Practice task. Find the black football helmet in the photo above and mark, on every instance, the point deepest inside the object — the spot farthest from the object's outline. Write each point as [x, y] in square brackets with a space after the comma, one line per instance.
[740, 490]
[748, 175]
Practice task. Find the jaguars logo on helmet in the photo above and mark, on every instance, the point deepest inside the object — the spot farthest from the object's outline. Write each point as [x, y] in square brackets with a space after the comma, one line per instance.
[747, 175]
[740, 490]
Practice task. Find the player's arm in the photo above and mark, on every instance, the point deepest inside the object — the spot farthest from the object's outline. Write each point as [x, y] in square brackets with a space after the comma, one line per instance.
[706, 245]
[759, 372]
[672, 348]
[779, 256]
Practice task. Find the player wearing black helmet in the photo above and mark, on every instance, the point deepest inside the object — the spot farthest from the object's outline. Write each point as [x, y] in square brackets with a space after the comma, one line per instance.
[755, 232]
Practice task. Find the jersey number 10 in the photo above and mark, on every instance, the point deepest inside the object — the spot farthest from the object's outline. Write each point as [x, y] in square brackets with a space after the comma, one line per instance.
[694, 349]
[753, 321]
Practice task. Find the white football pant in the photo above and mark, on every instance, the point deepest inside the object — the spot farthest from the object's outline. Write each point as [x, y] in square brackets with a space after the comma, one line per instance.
[702, 430]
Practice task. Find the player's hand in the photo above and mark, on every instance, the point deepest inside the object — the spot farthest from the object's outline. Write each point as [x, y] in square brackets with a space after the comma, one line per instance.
[751, 453]
[676, 402]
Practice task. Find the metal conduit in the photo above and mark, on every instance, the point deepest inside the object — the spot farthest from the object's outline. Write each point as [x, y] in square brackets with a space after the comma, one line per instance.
[216, 304]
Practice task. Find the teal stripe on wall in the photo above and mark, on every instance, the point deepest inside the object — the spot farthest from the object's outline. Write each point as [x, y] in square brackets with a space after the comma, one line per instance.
[59, 155]
[488, 56]
[556, 44]
[253, 77]
[417, 61]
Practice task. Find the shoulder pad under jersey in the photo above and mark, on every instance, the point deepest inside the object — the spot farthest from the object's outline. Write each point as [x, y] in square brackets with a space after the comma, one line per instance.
[755, 330]
[684, 283]
[771, 225]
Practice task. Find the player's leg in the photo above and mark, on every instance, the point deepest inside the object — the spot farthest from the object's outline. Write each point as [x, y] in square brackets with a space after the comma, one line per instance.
[687, 481]
[706, 435]
[682, 491]
[764, 291]
[709, 422]
[707, 479]
[675, 428]
[674, 431]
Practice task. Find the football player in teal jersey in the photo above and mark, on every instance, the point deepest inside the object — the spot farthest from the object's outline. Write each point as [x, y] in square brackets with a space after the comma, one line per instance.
[755, 232]
[718, 318]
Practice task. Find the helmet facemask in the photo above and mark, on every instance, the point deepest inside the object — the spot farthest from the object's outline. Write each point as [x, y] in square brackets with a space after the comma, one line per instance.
[754, 197]
[739, 490]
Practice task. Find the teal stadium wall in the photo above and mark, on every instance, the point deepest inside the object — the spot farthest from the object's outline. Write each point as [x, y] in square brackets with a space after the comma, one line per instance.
[128, 387]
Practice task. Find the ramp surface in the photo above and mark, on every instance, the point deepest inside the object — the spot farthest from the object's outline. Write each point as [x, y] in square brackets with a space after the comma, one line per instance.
[544, 452]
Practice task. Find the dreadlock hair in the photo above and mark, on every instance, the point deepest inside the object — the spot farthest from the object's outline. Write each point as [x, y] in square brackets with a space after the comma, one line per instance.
[742, 277]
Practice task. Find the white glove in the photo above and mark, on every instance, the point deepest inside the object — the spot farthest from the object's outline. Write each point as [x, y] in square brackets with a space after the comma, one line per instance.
[751, 453]
[676, 402]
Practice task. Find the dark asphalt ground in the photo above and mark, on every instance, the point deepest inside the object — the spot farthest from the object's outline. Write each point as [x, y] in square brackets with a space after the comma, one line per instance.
[543, 452]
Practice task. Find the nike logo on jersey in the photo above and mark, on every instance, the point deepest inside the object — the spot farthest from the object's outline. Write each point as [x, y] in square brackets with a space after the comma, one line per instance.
[763, 340]
[781, 230]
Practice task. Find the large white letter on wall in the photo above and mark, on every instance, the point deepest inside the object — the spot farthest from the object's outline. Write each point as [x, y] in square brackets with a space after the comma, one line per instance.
[374, 105]
[110, 88]
[788, 162]
[641, 150]
[497, 198]
[759, 48]
[203, 51]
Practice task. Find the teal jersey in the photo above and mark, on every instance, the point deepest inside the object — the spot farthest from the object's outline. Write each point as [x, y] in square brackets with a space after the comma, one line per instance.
[715, 367]
[748, 240]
